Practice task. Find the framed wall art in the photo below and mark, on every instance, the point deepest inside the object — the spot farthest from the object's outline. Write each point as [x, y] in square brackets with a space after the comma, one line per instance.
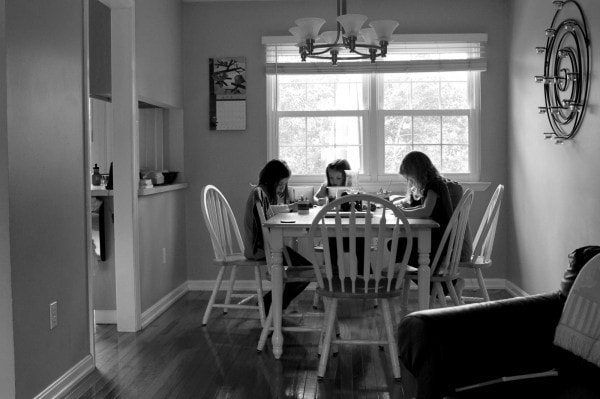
[227, 93]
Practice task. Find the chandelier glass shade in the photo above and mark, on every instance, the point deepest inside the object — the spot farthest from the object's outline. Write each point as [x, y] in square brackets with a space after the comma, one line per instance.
[349, 42]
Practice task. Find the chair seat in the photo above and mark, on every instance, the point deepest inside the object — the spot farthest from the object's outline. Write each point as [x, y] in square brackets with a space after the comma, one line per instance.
[302, 273]
[479, 263]
[239, 260]
[374, 289]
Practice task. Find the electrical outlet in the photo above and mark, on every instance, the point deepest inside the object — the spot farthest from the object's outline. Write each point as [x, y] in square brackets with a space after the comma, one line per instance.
[53, 315]
[164, 254]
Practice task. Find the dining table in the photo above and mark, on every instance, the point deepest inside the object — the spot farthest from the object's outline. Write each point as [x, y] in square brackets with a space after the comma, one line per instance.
[286, 225]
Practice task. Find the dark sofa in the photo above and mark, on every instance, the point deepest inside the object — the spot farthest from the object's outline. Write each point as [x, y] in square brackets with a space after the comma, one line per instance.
[444, 350]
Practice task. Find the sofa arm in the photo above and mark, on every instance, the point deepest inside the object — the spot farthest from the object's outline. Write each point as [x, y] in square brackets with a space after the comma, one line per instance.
[447, 348]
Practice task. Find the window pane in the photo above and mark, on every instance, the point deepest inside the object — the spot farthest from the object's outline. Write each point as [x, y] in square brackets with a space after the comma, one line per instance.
[425, 95]
[455, 159]
[393, 157]
[398, 130]
[455, 129]
[427, 129]
[295, 157]
[291, 131]
[454, 95]
[434, 152]
[437, 90]
[320, 92]
[308, 144]
[396, 95]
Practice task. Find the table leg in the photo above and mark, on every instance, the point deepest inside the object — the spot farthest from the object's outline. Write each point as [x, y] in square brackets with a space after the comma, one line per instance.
[424, 246]
[277, 291]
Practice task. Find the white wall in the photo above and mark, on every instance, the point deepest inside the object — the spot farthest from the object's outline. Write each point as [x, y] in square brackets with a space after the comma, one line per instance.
[231, 160]
[48, 245]
[553, 202]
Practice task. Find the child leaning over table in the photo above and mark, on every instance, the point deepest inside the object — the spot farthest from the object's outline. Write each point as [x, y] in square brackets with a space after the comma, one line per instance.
[272, 195]
[428, 196]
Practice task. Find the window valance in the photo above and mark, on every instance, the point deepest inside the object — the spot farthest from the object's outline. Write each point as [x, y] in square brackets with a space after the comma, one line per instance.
[406, 53]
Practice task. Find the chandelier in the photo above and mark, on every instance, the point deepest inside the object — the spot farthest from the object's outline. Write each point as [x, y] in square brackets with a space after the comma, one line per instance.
[350, 39]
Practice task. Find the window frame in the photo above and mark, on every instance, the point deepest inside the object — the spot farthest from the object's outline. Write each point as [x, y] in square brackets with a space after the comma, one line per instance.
[372, 156]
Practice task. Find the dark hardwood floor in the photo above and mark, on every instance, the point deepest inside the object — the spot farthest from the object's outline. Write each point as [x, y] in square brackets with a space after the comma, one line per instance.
[175, 357]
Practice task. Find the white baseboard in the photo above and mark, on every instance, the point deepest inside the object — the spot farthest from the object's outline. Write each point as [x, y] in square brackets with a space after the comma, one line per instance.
[515, 290]
[163, 304]
[207, 285]
[105, 316]
[490, 283]
[470, 283]
[69, 379]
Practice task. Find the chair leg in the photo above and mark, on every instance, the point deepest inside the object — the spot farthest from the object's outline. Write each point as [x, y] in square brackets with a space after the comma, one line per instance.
[441, 295]
[230, 288]
[452, 292]
[389, 328]
[259, 292]
[315, 303]
[404, 302]
[265, 331]
[484, 291]
[213, 296]
[331, 311]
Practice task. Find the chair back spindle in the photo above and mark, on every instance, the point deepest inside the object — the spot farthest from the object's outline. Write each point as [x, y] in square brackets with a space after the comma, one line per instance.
[346, 231]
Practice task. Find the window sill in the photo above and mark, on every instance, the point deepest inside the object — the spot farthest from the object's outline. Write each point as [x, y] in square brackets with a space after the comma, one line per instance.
[395, 186]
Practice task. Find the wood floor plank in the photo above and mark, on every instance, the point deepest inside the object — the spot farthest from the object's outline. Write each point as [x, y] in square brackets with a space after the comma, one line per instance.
[176, 357]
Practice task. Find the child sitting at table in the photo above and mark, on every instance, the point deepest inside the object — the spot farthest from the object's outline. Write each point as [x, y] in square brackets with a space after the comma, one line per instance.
[272, 195]
[336, 177]
[427, 196]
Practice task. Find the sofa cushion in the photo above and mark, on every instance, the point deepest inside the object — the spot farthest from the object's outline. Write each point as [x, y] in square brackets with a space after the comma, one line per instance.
[578, 330]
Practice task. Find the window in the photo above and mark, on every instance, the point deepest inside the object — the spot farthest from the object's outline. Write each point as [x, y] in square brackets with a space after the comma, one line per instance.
[424, 97]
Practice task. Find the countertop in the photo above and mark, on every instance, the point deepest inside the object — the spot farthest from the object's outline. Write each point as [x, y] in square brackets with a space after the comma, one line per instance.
[101, 191]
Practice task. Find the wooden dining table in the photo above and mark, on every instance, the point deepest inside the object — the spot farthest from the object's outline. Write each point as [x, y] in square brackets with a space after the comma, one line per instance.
[283, 226]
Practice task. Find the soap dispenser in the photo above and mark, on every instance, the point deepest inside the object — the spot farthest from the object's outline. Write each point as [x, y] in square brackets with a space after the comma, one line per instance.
[96, 176]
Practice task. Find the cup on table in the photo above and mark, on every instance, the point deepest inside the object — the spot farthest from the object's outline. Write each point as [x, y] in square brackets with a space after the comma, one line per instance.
[303, 206]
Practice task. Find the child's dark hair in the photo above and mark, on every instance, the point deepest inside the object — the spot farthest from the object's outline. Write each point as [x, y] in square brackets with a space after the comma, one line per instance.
[340, 165]
[270, 175]
[418, 166]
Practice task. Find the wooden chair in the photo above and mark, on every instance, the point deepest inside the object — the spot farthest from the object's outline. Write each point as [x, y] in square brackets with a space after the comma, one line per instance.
[229, 255]
[484, 241]
[444, 266]
[382, 276]
[301, 273]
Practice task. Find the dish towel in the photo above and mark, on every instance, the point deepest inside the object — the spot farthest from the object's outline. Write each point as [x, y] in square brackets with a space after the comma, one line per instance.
[579, 328]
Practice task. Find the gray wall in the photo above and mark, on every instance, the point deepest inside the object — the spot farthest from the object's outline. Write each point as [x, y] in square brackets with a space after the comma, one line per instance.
[7, 356]
[553, 202]
[162, 225]
[46, 188]
[231, 160]
[158, 51]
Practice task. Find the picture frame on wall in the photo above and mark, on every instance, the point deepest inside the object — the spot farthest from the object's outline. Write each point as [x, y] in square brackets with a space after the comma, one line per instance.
[227, 93]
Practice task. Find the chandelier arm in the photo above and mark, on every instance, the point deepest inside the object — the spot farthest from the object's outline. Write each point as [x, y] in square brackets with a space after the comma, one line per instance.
[326, 48]
[321, 57]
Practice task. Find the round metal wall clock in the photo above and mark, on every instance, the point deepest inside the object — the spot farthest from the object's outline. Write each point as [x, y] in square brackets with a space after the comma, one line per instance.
[566, 71]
